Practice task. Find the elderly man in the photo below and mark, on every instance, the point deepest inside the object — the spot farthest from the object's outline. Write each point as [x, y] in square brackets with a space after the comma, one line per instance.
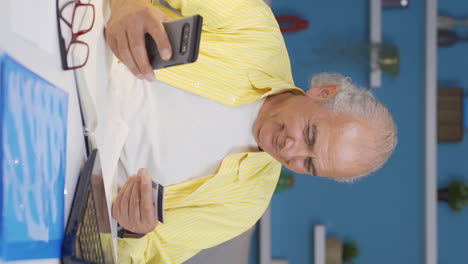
[216, 132]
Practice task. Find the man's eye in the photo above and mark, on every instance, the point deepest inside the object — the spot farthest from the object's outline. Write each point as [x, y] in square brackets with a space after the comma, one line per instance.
[307, 163]
[307, 135]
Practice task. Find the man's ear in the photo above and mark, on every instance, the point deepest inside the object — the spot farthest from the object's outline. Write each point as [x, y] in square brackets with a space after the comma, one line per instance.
[323, 92]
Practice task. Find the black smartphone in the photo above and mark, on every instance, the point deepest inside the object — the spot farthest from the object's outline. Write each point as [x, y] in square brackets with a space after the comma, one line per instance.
[184, 35]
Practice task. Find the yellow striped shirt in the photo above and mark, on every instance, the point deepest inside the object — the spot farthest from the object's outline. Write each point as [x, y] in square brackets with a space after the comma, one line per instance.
[242, 58]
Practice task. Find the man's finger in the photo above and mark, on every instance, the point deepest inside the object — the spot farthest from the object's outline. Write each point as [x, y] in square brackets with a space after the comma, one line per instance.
[135, 202]
[116, 204]
[137, 46]
[115, 211]
[157, 31]
[147, 208]
[126, 55]
[118, 200]
[114, 47]
[124, 204]
[112, 42]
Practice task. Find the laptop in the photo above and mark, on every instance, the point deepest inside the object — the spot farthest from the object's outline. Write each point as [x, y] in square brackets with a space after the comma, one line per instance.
[88, 236]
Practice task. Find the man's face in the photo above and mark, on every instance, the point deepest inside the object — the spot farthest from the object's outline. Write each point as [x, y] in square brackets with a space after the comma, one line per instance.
[308, 138]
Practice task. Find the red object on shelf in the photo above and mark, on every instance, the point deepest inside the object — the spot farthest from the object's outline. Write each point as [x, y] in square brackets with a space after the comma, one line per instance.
[292, 23]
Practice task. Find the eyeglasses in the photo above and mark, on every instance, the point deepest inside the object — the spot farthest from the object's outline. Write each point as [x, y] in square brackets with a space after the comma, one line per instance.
[79, 19]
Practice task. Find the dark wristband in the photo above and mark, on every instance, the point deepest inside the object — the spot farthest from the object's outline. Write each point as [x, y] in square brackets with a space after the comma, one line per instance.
[124, 233]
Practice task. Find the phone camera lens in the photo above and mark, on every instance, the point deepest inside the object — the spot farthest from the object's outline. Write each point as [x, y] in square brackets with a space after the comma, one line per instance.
[185, 37]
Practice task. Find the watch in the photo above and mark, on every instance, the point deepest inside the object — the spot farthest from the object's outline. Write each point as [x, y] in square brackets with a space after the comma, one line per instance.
[124, 233]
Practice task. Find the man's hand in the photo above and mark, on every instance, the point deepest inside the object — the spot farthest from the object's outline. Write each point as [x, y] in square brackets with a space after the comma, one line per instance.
[125, 34]
[133, 208]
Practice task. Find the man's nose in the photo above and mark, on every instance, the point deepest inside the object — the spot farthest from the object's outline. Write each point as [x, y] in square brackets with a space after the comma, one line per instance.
[293, 149]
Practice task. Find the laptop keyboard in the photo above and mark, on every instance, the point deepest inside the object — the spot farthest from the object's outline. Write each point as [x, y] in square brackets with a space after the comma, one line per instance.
[88, 242]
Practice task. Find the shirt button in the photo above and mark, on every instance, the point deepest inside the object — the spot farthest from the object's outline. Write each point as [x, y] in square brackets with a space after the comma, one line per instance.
[197, 84]
[232, 100]
[156, 73]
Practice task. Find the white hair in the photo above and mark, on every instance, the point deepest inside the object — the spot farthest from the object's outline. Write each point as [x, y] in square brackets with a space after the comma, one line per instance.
[362, 104]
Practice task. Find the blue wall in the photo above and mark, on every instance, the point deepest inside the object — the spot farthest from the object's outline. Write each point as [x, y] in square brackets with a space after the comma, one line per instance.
[382, 213]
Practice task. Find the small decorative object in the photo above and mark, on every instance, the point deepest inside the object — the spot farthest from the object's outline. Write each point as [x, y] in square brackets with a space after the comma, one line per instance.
[389, 58]
[449, 114]
[285, 182]
[447, 38]
[395, 3]
[292, 23]
[279, 261]
[338, 252]
[448, 23]
[456, 195]
[334, 251]
[355, 52]
[465, 114]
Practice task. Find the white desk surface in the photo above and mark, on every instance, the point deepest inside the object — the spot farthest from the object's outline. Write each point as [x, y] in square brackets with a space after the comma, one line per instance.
[48, 66]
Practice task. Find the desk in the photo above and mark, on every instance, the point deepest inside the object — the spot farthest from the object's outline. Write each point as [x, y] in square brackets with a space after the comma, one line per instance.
[47, 65]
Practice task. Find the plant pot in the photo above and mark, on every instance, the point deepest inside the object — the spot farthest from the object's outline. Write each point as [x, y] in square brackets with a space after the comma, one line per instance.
[443, 194]
[334, 251]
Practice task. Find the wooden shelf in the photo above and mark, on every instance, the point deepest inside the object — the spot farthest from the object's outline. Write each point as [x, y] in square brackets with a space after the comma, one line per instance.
[431, 133]
[375, 36]
[319, 244]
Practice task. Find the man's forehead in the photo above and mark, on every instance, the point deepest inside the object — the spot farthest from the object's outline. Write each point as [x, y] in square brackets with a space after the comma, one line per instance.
[344, 150]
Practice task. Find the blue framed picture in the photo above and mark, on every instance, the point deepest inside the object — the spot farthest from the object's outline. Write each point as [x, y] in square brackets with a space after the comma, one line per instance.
[33, 137]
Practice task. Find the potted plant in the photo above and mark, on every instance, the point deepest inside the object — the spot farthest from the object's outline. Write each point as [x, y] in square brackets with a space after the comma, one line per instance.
[456, 195]
[350, 251]
[338, 252]
[345, 52]
[285, 181]
[334, 251]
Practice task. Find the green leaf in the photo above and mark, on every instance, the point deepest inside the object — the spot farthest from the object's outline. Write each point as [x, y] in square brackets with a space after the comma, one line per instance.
[350, 251]
[458, 195]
